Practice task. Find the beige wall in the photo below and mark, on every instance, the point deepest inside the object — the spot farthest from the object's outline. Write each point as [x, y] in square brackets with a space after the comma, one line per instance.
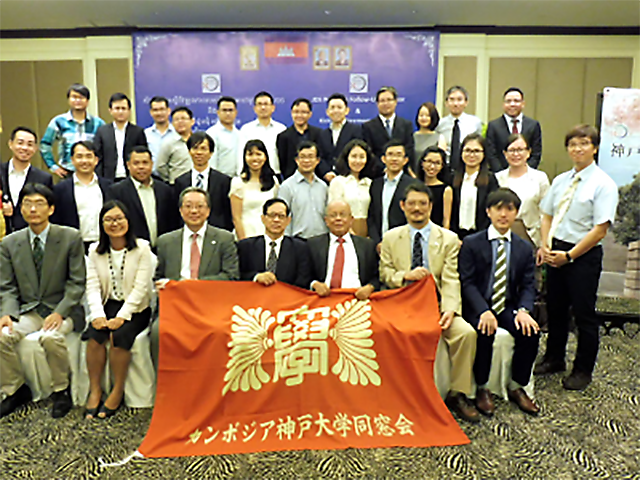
[560, 75]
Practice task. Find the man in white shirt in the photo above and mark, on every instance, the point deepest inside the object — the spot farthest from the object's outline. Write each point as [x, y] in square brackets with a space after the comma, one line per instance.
[226, 137]
[458, 124]
[17, 172]
[262, 128]
[161, 128]
[174, 159]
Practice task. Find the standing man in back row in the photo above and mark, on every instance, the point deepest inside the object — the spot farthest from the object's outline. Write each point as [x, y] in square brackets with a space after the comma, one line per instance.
[161, 128]
[513, 121]
[458, 124]
[68, 128]
[226, 137]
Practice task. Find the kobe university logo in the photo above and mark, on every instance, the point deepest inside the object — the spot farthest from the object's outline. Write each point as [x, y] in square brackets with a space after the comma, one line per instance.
[300, 343]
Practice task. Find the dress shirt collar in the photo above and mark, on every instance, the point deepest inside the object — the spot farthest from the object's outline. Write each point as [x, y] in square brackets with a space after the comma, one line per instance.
[268, 240]
[42, 235]
[205, 174]
[70, 118]
[334, 239]
[395, 180]
[391, 119]
[139, 185]
[222, 128]
[259, 125]
[155, 129]
[299, 178]
[76, 180]
[472, 177]
[585, 172]
[493, 234]
[12, 169]
[339, 127]
[186, 231]
[123, 129]
[425, 231]
[511, 119]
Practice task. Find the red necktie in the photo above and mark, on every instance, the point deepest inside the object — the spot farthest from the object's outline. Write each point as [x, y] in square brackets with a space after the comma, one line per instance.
[514, 128]
[194, 263]
[338, 266]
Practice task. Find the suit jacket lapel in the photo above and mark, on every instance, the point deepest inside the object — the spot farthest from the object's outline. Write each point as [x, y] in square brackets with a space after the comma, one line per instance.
[361, 260]
[209, 244]
[51, 251]
[324, 255]
[28, 263]
[261, 261]
[404, 244]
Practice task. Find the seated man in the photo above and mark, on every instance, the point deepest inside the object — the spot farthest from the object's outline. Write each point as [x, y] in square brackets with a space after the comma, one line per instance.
[342, 260]
[273, 256]
[42, 281]
[498, 289]
[411, 252]
[196, 251]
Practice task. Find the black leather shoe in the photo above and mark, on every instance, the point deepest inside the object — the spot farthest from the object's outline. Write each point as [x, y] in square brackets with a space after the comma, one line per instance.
[576, 381]
[61, 403]
[19, 398]
[460, 404]
[546, 367]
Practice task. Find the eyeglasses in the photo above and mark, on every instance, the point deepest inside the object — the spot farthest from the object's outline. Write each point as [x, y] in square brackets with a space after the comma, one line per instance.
[580, 144]
[113, 220]
[276, 216]
[197, 206]
[431, 162]
[472, 151]
[37, 203]
[517, 150]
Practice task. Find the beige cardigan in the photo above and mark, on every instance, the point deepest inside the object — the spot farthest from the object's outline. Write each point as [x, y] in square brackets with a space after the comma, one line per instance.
[136, 285]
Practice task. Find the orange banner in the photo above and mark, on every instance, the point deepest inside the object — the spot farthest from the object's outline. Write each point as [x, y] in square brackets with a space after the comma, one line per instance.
[286, 49]
[246, 368]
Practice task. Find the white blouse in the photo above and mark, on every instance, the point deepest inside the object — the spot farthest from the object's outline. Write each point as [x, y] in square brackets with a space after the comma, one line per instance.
[253, 199]
[353, 191]
[468, 201]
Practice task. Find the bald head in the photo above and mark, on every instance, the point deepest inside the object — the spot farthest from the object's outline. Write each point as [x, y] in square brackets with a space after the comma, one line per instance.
[338, 217]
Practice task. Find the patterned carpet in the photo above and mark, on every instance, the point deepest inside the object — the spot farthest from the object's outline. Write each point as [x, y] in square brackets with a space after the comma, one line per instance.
[595, 434]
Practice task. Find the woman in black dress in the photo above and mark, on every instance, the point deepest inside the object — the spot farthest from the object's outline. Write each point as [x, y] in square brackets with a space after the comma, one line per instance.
[433, 172]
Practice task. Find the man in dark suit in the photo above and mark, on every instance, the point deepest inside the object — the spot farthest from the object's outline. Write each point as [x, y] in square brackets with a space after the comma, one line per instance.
[42, 282]
[342, 260]
[334, 138]
[498, 290]
[18, 172]
[387, 125]
[273, 256]
[200, 146]
[287, 142]
[196, 251]
[115, 141]
[513, 121]
[80, 197]
[386, 192]
[153, 209]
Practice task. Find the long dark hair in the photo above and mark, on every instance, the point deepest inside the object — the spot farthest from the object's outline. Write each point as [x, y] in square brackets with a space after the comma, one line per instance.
[483, 175]
[443, 174]
[105, 242]
[342, 163]
[267, 175]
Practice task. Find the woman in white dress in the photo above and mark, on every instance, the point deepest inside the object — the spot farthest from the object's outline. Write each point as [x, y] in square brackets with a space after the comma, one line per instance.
[256, 184]
[355, 171]
[530, 185]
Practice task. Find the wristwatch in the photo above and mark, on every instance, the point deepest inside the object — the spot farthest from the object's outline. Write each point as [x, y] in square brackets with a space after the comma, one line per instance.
[568, 255]
[523, 309]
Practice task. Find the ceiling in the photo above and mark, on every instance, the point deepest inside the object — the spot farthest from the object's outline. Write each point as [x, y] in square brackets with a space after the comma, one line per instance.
[236, 14]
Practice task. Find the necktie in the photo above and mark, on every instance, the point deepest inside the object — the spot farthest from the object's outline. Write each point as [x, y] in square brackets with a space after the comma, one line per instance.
[338, 266]
[416, 257]
[454, 159]
[272, 261]
[38, 255]
[563, 207]
[388, 127]
[200, 181]
[194, 263]
[500, 279]
[514, 128]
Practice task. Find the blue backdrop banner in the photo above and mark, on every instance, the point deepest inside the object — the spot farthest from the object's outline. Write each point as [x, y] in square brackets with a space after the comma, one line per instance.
[197, 68]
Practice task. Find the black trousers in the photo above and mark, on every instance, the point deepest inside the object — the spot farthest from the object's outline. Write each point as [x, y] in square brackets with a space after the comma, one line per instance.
[524, 352]
[574, 285]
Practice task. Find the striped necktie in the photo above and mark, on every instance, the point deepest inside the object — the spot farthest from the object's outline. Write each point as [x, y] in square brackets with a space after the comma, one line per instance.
[563, 208]
[200, 181]
[272, 261]
[499, 296]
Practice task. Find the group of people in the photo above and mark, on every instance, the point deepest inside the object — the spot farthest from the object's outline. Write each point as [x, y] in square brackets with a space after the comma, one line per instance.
[362, 207]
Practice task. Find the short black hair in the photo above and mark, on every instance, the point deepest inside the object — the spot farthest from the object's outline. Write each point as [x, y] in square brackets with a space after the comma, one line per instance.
[88, 144]
[262, 94]
[394, 142]
[392, 90]
[434, 116]
[140, 149]
[300, 100]
[338, 96]
[116, 97]
[304, 144]
[37, 189]
[23, 129]
[199, 137]
[158, 99]
[182, 108]
[513, 89]
[417, 187]
[583, 130]
[196, 190]
[227, 99]
[503, 196]
[457, 88]
[104, 242]
[273, 201]
[79, 89]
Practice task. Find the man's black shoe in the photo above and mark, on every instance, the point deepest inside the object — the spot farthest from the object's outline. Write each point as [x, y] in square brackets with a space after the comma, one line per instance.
[61, 403]
[19, 398]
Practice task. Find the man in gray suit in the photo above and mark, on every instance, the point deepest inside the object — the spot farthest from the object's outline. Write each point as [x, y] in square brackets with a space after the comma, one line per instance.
[206, 252]
[42, 281]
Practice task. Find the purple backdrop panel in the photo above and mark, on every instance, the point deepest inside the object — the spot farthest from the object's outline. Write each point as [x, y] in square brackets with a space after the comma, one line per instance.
[195, 69]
